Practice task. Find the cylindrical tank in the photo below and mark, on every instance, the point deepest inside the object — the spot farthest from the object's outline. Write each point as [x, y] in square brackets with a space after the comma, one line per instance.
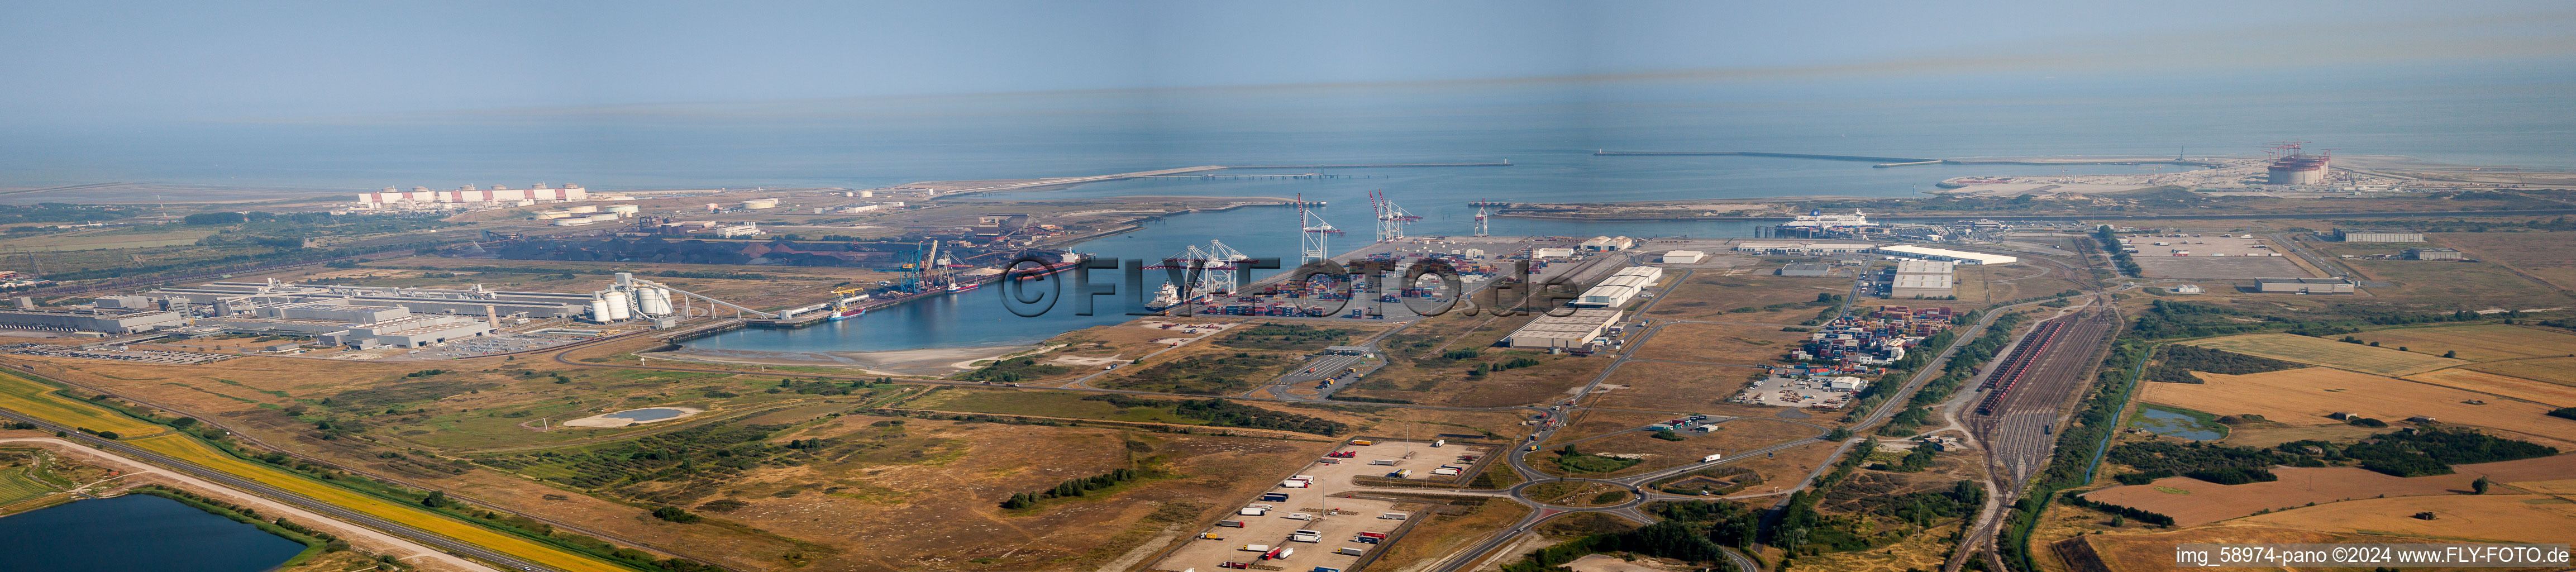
[619, 308]
[602, 217]
[582, 209]
[656, 301]
[624, 209]
[599, 311]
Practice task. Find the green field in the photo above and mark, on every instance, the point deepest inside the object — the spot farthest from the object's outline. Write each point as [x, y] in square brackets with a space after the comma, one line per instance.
[16, 485]
[2330, 353]
[1043, 404]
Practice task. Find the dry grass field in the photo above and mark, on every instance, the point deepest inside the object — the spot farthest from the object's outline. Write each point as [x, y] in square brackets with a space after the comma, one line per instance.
[2481, 343]
[1443, 534]
[1734, 344]
[2193, 502]
[1709, 296]
[2542, 254]
[2304, 396]
[2560, 371]
[1736, 435]
[1547, 382]
[871, 507]
[1666, 386]
[2471, 518]
[2453, 284]
[2551, 394]
[2330, 353]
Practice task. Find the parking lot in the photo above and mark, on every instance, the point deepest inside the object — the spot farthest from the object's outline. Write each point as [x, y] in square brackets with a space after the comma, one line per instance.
[2212, 256]
[1338, 523]
[136, 356]
[1322, 367]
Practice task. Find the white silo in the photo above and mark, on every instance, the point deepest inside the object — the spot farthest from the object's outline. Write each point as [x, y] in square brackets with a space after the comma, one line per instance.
[599, 310]
[618, 306]
[654, 301]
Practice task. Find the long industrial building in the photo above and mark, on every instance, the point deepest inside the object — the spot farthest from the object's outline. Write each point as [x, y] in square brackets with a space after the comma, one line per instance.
[2303, 285]
[1804, 248]
[2378, 235]
[221, 299]
[1924, 278]
[102, 320]
[1573, 331]
[1959, 256]
[1620, 288]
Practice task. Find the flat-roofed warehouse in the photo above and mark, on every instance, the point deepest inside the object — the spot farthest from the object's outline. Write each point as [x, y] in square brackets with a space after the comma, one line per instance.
[2304, 285]
[1959, 256]
[1621, 287]
[1683, 256]
[2434, 254]
[105, 321]
[2378, 234]
[1569, 331]
[1926, 278]
[1804, 248]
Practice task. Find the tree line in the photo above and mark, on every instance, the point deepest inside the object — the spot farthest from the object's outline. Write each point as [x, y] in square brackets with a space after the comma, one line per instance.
[1073, 488]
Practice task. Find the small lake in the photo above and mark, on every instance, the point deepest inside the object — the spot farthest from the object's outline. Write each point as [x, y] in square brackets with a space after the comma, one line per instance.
[136, 532]
[2162, 422]
[647, 414]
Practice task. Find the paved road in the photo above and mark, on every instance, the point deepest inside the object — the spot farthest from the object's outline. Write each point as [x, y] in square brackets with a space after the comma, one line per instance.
[262, 489]
[253, 438]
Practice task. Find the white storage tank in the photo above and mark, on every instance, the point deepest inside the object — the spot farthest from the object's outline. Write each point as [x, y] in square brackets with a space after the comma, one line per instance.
[618, 306]
[578, 209]
[654, 301]
[603, 217]
[757, 204]
[625, 209]
[599, 310]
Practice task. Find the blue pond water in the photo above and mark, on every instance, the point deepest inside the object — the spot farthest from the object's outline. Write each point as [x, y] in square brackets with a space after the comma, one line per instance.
[136, 532]
[2163, 422]
[647, 414]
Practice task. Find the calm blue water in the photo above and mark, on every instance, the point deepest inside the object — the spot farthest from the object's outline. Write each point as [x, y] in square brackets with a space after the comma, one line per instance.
[647, 414]
[2163, 422]
[135, 532]
[2518, 116]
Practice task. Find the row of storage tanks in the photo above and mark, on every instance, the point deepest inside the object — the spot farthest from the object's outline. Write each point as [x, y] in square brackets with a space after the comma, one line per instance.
[615, 305]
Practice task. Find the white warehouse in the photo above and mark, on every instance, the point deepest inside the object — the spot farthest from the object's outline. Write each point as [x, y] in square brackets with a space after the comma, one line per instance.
[1620, 288]
[1959, 256]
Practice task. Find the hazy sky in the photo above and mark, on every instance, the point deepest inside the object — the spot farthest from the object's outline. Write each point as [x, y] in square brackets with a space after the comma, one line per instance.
[83, 61]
